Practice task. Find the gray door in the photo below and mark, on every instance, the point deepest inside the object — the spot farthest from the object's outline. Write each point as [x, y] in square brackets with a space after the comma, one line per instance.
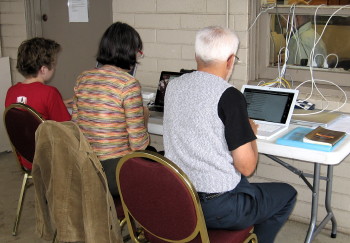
[79, 41]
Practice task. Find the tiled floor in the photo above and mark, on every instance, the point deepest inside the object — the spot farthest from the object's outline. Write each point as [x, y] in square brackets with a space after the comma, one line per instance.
[10, 182]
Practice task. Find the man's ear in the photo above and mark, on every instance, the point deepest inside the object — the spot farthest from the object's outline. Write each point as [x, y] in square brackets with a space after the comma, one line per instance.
[43, 69]
[230, 61]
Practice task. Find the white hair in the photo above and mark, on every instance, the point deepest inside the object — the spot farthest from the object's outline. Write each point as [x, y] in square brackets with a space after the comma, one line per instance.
[215, 43]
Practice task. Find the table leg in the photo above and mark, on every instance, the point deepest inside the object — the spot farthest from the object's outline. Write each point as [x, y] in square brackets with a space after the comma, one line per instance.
[328, 200]
[314, 204]
[313, 228]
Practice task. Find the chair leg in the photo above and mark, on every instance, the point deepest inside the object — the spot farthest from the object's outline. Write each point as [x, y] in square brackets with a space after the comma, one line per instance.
[122, 223]
[19, 207]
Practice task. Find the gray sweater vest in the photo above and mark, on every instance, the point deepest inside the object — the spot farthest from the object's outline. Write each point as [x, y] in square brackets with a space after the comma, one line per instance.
[194, 134]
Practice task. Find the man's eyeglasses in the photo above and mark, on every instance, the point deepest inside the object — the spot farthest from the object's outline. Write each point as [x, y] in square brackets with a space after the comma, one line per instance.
[236, 59]
[140, 54]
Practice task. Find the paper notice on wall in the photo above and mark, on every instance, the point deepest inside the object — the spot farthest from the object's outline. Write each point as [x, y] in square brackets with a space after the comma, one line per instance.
[78, 10]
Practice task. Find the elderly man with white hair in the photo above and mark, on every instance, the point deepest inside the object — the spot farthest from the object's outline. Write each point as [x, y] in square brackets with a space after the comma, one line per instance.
[208, 134]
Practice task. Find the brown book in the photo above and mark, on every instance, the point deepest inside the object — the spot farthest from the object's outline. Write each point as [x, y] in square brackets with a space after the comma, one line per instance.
[323, 136]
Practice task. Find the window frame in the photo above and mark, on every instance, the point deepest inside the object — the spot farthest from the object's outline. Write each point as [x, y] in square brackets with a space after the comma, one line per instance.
[262, 44]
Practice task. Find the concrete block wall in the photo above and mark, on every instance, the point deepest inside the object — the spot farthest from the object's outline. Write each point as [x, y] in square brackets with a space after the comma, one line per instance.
[168, 30]
[269, 171]
[12, 32]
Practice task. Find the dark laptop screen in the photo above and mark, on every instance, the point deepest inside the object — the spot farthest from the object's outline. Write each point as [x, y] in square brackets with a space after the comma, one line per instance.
[165, 78]
[268, 105]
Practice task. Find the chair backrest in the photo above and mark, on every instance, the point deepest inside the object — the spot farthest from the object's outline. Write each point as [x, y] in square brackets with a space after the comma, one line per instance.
[158, 195]
[21, 122]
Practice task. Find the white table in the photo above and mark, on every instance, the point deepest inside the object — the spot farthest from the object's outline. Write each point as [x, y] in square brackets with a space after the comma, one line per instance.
[277, 152]
[319, 158]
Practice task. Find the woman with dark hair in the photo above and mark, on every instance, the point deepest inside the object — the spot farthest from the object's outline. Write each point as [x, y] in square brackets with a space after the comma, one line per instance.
[108, 105]
[119, 46]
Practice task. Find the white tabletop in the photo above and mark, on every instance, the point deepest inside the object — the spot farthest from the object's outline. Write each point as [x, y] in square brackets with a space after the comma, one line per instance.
[328, 158]
[155, 125]
[270, 147]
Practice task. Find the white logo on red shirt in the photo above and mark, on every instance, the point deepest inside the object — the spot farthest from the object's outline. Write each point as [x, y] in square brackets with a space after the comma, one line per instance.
[22, 99]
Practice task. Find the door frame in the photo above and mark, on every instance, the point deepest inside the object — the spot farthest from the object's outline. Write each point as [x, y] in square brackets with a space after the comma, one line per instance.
[33, 18]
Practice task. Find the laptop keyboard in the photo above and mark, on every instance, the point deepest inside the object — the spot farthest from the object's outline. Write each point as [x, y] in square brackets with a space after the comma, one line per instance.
[267, 127]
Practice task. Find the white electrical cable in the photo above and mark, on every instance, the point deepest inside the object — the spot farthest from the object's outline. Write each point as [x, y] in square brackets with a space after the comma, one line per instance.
[261, 12]
[314, 60]
[333, 54]
[281, 71]
[312, 53]
[291, 31]
[313, 83]
[326, 81]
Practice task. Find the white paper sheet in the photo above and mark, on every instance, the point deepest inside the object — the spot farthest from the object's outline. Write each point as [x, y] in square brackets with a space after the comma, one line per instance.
[78, 11]
[342, 123]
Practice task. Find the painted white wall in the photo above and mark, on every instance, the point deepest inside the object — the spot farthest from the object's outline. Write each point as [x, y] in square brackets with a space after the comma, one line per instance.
[5, 84]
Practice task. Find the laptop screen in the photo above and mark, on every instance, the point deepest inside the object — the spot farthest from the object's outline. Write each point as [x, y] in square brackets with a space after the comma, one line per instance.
[165, 78]
[269, 104]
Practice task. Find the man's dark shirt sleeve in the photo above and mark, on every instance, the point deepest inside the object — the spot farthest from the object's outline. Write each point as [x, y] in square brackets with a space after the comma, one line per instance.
[232, 110]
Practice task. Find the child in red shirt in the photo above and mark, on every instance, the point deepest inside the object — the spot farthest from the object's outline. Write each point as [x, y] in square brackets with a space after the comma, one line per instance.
[36, 61]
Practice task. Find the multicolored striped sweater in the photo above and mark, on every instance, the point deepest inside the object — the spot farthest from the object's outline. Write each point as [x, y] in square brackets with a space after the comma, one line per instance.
[108, 109]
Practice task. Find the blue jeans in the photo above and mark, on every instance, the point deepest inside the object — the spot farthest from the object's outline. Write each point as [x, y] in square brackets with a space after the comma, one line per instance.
[267, 206]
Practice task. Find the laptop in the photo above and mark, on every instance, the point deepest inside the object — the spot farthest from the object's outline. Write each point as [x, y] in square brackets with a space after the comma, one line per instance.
[165, 77]
[270, 108]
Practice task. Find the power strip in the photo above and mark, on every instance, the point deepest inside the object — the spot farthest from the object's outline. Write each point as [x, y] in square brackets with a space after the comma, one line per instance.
[303, 104]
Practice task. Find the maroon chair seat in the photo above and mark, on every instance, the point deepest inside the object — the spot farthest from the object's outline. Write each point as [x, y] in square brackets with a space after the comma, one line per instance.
[157, 195]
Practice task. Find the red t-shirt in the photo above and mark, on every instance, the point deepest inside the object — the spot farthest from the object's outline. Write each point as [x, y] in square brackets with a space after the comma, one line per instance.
[43, 98]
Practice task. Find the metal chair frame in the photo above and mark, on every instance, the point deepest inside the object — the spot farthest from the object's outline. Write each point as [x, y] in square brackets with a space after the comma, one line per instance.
[200, 227]
[27, 173]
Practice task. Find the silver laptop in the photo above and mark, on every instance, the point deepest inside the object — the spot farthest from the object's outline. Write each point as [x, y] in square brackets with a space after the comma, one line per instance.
[270, 108]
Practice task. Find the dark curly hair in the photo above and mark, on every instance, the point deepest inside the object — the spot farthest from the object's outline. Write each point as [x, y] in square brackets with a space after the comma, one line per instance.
[35, 53]
[119, 46]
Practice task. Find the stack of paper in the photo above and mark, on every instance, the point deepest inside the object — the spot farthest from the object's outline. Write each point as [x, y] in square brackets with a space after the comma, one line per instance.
[325, 118]
[341, 124]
